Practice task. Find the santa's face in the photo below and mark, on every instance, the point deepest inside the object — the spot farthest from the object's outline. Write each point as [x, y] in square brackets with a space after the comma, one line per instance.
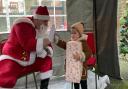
[42, 32]
[38, 23]
[43, 28]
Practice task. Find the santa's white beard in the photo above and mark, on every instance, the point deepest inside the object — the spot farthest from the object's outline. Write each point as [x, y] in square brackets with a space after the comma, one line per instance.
[42, 32]
[43, 28]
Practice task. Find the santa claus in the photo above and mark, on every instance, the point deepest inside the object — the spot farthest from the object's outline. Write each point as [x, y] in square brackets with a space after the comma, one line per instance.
[27, 50]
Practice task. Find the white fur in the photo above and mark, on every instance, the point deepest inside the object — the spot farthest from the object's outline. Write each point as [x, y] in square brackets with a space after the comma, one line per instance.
[22, 63]
[41, 17]
[20, 20]
[46, 75]
[39, 45]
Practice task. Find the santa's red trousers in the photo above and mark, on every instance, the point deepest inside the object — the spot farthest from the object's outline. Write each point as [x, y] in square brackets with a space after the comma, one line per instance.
[10, 71]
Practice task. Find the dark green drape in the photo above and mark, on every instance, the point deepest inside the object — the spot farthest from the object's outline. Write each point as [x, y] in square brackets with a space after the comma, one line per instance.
[106, 37]
[106, 32]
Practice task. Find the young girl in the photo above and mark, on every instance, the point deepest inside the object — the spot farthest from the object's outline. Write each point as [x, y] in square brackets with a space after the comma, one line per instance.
[78, 36]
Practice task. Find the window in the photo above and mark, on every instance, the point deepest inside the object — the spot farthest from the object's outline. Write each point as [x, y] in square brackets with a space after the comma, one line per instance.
[12, 9]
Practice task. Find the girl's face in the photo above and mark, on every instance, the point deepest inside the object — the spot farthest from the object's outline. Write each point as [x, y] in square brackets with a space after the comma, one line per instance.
[74, 34]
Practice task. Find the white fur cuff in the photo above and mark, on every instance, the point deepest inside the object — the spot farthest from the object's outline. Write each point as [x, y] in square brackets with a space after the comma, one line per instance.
[43, 54]
[46, 75]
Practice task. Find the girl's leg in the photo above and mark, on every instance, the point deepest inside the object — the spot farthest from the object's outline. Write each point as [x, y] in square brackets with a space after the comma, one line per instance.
[76, 85]
[83, 84]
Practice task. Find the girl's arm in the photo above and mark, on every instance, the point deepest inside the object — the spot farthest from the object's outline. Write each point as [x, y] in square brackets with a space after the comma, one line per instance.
[87, 51]
[61, 44]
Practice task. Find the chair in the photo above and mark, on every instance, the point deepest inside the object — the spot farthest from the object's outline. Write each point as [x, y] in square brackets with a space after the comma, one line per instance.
[34, 81]
[91, 43]
[2, 42]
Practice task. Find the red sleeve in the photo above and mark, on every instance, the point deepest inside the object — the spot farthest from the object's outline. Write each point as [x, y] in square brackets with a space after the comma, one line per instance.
[26, 36]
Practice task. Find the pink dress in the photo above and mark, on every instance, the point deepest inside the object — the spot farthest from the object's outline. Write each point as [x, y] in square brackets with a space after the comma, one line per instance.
[73, 67]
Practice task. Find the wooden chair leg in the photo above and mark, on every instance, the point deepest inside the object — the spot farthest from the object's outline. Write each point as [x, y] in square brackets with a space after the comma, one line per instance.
[35, 80]
[26, 81]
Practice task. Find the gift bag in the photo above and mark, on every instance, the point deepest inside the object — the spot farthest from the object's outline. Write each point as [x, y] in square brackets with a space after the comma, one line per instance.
[68, 85]
[73, 67]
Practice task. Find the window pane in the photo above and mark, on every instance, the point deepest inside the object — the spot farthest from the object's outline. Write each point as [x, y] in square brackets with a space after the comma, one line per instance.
[19, 8]
[61, 23]
[51, 22]
[3, 24]
[30, 6]
[60, 7]
[12, 19]
[16, 7]
[49, 4]
[1, 7]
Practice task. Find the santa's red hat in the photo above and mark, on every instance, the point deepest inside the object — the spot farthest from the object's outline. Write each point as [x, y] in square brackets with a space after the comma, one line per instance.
[41, 13]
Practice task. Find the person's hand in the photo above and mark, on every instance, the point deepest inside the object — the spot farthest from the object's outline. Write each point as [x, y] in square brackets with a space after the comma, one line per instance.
[56, 38]
[46, 42]
[76, 56]
[52, 33]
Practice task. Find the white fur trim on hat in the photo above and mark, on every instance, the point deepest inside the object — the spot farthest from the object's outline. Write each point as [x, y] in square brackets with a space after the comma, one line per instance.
[41, 17]
[43, 54]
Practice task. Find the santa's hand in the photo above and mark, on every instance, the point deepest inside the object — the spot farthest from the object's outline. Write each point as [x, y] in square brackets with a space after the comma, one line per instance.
[42, 54]
[52, 33]
[46, 42]
[56, 38]
[49, 51]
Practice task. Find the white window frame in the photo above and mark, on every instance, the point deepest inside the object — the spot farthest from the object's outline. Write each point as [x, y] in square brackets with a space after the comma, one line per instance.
[7, 15]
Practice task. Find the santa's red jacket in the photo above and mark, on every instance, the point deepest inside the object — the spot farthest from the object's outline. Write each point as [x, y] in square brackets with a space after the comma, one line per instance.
[23, 53]
[23, 45]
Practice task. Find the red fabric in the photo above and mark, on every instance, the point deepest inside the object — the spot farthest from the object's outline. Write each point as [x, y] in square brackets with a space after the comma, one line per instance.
[42, 11]
[91, 42]
[22, 38]
[2, 44]
[10, 71]
[91, 61]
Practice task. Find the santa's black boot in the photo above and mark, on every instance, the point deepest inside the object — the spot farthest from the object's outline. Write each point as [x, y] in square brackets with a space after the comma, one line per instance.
[44, 84]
